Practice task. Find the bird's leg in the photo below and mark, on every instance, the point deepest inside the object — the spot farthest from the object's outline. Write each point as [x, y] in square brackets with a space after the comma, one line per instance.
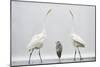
[75, 51]
[75, 55]
[59, 60]
[30, 56]
[79, 54]
[40, 56]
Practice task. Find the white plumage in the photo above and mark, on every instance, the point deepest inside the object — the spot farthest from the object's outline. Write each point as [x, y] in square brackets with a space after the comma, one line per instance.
[77, 40]
[37, 41]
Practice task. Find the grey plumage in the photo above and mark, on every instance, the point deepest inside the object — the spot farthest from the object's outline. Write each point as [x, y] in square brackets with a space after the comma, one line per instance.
[59, 49]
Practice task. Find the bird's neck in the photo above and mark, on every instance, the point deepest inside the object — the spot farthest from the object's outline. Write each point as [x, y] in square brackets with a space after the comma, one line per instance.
[44, 31]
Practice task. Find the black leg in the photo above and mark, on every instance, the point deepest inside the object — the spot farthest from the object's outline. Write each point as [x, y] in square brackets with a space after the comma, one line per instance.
[79, 54]
[40, 56]
[59, 60]
[30, 56]
[75, 55]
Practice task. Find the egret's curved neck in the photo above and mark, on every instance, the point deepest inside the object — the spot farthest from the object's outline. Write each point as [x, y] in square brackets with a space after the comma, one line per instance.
[44, 20]
[44, 24]
[73, 26]
[73, 21]
[44, 29]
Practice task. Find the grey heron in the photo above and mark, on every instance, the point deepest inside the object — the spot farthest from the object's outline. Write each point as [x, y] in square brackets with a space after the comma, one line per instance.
[59, 50]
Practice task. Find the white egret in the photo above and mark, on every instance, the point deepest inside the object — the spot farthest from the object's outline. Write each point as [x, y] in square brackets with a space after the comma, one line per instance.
[37, 41]
[77, 40]
[59, 50]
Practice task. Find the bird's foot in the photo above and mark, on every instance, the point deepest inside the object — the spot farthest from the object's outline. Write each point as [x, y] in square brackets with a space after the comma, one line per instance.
[41, 62]
[81, 58]
[74, 59]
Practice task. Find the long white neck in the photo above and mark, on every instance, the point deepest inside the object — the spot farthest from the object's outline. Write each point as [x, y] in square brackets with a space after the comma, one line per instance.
[73, 26]
[45, 20]
[44, 24]
[73, 21]
[44, 29]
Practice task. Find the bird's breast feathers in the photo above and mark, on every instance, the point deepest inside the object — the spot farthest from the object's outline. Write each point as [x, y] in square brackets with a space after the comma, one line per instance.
[36, 41]
[78, 39]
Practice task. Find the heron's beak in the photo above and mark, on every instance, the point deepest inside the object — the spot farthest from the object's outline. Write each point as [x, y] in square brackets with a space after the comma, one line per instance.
[49, 11]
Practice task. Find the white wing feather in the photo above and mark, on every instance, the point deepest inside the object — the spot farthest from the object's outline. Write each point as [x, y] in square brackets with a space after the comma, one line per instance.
[78, 39]
[36, 41]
